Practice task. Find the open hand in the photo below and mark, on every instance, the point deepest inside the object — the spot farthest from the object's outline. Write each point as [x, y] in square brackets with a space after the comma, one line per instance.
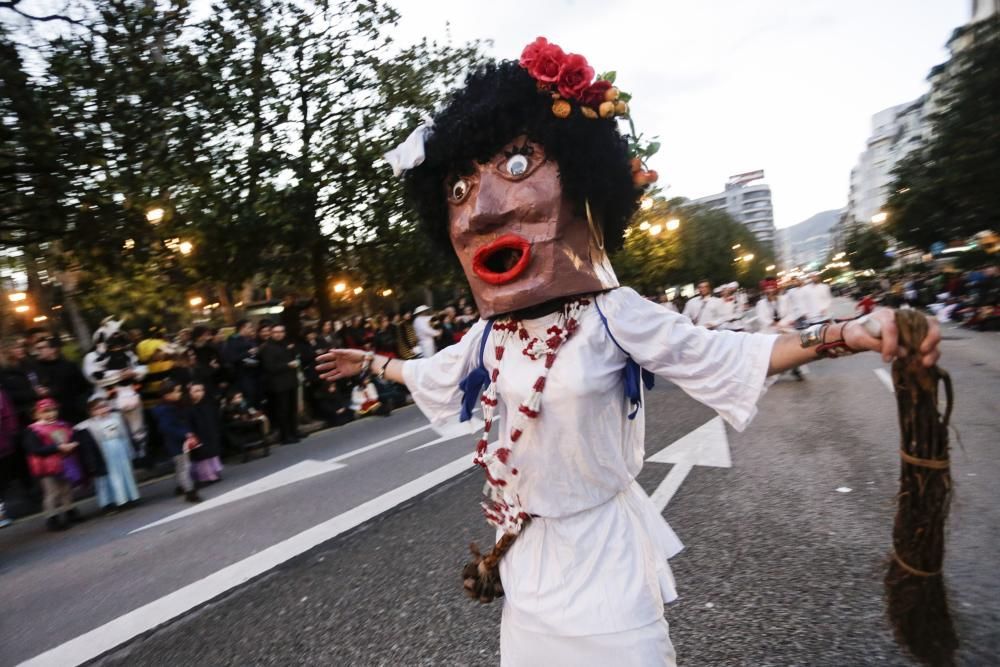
[881, 335]
[337, 364]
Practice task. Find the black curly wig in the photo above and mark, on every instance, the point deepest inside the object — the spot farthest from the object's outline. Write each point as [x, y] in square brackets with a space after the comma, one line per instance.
[499, 102]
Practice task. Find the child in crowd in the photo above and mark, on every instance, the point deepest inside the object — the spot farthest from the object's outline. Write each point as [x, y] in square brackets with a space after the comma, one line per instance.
[208, 429]
[245, 427]
[53, 461]
[108, 449]
[174, 423]
[365, 399]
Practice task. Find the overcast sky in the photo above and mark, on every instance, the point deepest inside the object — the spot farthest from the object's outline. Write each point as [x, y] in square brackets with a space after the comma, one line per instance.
[787, 86]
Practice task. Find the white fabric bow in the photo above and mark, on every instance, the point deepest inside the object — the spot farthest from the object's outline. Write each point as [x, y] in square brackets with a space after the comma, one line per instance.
[410, 153]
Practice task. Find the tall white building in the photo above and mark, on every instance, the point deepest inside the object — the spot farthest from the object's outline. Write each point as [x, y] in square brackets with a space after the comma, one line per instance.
[747, 204]
[895, 132]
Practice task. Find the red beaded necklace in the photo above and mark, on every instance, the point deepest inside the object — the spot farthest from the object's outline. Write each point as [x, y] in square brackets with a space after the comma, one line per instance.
[503, 507]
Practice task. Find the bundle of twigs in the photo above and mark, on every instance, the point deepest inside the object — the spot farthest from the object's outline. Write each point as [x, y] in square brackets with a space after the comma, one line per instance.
[917, 602]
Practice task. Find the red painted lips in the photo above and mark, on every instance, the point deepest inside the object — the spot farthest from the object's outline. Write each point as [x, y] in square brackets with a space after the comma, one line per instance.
[503, 260]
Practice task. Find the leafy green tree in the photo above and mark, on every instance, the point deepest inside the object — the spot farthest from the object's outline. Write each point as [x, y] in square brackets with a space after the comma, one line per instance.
[947, 188]
[866, 246]
[702, 246]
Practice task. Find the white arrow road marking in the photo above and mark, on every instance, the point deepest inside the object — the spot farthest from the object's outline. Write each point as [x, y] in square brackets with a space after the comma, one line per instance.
[374, 445]
[293, 473]
[138, 621]
[475, 424]
[707, 445]
[886, 379]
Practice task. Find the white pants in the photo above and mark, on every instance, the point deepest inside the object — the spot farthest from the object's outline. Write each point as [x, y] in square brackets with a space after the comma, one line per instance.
[648, 646]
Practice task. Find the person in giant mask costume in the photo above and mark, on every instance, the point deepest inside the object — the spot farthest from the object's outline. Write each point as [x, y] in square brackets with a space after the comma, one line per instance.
[525, 175]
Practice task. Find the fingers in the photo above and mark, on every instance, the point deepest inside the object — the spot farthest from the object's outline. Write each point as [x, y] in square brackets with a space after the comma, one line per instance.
[890, 336]
[930, 347]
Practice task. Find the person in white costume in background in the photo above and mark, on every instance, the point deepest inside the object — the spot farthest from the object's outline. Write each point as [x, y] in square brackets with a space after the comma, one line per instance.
[704, 309]
[815, 299]
[521, 176]
[425, 331]
[774, 313]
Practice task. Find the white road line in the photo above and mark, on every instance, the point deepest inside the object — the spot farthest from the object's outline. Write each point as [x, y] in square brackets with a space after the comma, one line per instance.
[707, 445]
[886, 379]
[114, 633]
[374, 445]
[293, 473]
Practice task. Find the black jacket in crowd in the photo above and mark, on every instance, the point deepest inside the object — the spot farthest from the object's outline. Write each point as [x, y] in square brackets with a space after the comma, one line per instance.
[274, 360]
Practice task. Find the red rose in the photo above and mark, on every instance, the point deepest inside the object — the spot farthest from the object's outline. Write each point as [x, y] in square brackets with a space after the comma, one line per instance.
[543, 60]
[574, 76]
[594, 94]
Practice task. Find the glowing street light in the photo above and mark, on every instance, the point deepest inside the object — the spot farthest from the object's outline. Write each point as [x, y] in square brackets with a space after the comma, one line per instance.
[17, 296]
[22, 309]
[769, 267]
[748, 257]
[40, 318]
[673, 224]
[643, 226]
[647, 203]
[154, 215]
[359, 290]
[185, 247]
[387, 292]
[880, 217]
[129, 244]
[655, 229]
[339, 287]
[196, 301]
[737, 246]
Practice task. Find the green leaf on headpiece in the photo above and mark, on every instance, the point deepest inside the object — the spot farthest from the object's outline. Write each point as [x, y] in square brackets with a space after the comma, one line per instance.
[624, 97]
[608, 76]
[652, 148]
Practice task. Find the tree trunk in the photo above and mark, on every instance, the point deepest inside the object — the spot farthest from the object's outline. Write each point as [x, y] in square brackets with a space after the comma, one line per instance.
[320, 279]
[228, 312]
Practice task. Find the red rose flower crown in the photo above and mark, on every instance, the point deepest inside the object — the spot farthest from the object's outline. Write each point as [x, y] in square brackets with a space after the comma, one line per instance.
[570, 81]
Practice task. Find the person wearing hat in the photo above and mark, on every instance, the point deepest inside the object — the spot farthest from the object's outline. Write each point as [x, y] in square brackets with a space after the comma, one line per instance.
[426, 333]
[526, 177]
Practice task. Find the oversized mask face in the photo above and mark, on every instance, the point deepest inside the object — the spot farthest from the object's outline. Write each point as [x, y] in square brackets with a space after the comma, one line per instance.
[518, 238]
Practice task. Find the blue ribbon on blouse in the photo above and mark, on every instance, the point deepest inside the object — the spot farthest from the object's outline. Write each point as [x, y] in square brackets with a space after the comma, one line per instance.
[476, 382]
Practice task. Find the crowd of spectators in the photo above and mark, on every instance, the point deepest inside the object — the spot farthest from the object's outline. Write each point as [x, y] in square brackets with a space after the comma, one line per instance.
[146, 399]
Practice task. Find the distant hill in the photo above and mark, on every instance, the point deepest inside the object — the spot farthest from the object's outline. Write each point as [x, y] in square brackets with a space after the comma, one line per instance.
[817, 224]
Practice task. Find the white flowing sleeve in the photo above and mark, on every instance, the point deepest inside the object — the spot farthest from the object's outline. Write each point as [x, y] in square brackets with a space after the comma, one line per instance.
[433, 382]
[725, 370]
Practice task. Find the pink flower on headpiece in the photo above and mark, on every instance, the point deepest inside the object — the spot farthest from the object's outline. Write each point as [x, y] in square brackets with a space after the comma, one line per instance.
[594, 94]
[575, 76]
[543, 60]
[46, 404]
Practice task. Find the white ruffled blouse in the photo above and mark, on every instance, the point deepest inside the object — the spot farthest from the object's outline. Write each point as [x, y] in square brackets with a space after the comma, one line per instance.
[593, 559]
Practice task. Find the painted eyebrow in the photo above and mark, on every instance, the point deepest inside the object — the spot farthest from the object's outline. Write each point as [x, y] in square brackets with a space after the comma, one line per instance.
[524, 149]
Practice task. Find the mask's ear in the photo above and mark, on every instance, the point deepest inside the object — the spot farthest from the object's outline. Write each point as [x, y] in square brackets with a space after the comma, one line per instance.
[596, 233]
[598, 255]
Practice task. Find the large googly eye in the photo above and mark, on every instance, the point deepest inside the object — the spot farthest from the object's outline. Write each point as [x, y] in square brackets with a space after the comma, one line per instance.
[459, 190]
[517, 165]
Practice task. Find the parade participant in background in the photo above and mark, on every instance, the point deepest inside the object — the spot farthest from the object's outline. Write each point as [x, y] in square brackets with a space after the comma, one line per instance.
[730, 309]
[531, 191]
[426, 333]
[106, 446]
[174, 423]
[815, 299]
[53, 461]
[206, 423]
[704, 309]
[774, 314]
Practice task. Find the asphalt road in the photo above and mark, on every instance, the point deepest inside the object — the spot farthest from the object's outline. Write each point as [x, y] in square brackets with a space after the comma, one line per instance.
[780, 568]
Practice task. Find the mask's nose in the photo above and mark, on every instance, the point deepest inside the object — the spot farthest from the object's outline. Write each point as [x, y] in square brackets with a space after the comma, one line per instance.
[493, 207]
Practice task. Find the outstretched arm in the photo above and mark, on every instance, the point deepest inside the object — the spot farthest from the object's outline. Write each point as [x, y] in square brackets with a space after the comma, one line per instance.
[339, 364]
[788, 351]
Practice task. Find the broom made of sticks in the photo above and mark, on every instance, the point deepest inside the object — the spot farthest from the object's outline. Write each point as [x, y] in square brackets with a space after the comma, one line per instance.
[915, 592]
